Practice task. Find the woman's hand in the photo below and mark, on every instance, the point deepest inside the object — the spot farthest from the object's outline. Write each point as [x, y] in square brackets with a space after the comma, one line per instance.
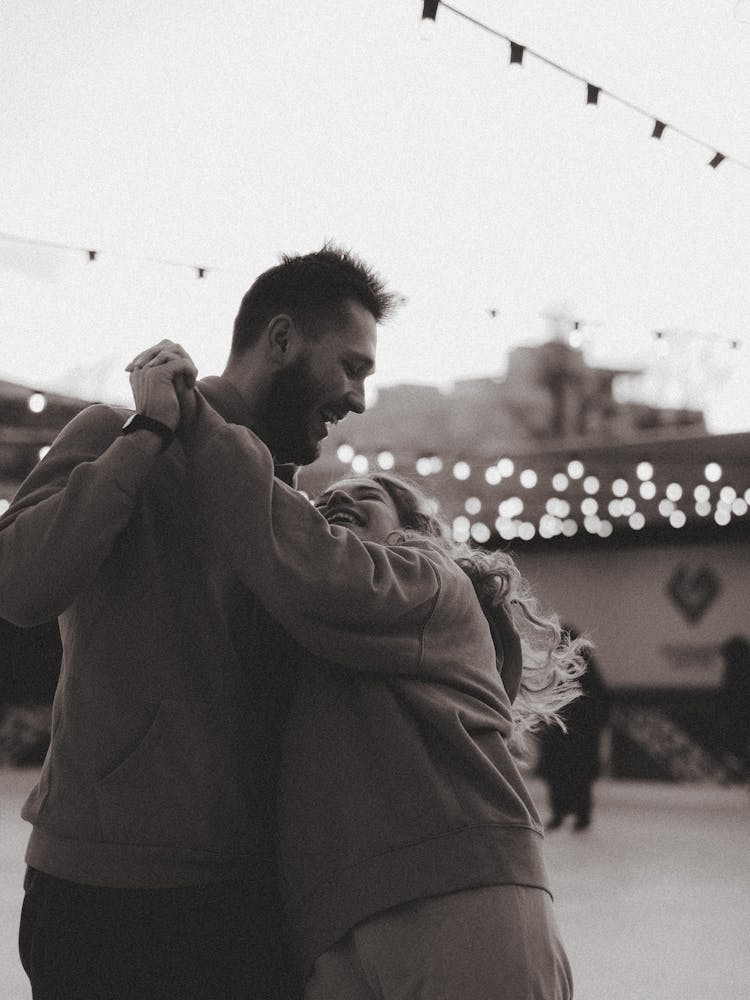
[163, 382]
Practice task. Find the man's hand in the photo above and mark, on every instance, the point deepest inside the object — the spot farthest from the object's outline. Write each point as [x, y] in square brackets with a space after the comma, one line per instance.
[163, 382]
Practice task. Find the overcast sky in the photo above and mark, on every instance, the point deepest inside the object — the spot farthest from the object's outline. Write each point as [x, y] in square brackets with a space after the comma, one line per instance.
[223, 134]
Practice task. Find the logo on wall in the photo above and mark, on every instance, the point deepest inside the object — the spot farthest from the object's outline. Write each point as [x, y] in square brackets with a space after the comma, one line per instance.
[693, 591]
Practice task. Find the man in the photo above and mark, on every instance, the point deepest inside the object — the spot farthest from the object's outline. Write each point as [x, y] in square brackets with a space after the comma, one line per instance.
[151, 860]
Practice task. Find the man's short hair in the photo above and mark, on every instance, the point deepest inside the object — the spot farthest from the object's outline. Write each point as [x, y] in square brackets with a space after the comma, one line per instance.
[313, 289]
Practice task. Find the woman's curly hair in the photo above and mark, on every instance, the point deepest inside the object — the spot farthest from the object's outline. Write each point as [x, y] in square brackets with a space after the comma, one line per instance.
[553, 659]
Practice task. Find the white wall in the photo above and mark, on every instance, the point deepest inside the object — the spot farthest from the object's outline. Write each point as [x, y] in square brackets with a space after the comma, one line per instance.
[620, 597]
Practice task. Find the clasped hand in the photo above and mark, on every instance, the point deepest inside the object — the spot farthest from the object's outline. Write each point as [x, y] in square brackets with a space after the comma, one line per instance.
[163, 382]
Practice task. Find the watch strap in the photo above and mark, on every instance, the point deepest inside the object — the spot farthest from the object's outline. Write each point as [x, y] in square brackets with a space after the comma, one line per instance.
[140, 422]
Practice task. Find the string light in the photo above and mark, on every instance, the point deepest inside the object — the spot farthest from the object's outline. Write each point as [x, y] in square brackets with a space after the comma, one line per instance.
[516, 54]
[662, 345]
[93, 255]
[480, 532]
[510, 508]
[558, 507]
[597, 517]
[619, 487]
[712, 472]
[662, 338]
[592, 91]
[506, 528]
[644, 471]
[461, 528]
[429, 14]
[591, 484]
[575, 469]
[37, 402]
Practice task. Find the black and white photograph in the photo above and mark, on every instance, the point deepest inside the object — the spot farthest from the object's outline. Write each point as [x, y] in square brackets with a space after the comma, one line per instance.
[374, 500]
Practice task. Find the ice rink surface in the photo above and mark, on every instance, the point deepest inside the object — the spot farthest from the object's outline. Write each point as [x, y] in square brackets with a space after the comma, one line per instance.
[653, 900]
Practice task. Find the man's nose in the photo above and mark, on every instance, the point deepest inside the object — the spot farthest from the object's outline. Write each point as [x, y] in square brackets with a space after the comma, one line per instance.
[355, 398]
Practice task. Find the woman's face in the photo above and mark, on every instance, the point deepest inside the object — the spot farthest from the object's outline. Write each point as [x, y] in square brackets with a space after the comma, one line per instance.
[362, 506]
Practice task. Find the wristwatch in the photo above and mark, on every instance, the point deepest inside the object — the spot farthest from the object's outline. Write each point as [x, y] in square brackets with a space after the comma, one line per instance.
[140, 422]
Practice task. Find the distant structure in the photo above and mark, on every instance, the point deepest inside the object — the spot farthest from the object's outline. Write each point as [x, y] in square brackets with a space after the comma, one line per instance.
[549, 396]
[29, 422]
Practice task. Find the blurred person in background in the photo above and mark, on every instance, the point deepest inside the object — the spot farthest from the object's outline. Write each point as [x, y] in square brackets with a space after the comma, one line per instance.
[570, 757]
[152, 869]
[410, 849]
[734, 707]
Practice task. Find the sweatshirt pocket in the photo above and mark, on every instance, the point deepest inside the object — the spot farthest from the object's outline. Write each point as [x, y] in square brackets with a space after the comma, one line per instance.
[193, 782]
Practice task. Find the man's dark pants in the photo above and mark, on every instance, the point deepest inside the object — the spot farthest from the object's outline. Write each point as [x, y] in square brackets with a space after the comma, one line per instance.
[221, 941]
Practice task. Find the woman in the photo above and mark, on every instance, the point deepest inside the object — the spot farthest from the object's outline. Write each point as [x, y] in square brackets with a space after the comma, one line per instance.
[410, 848]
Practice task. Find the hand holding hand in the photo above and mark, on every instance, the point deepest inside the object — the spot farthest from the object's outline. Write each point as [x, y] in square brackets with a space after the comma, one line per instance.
[163, 382]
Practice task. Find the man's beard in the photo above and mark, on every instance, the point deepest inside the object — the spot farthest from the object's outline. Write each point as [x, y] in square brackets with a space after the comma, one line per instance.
[286, 420]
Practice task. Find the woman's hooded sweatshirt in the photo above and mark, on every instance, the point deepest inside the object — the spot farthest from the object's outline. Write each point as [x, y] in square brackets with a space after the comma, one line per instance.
[397, 782]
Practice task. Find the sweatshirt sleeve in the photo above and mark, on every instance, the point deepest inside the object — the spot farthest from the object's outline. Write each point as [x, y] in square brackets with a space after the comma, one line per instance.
[360, 604]
[66, 515]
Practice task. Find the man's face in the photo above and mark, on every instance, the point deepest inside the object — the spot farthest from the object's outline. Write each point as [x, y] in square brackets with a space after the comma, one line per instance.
[323, 383]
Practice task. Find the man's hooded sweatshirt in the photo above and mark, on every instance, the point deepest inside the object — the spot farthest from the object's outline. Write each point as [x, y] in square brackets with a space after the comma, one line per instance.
[165, 726]
[396, 781]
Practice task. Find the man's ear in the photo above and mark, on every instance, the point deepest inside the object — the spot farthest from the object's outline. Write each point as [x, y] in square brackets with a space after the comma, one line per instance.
[281, 337]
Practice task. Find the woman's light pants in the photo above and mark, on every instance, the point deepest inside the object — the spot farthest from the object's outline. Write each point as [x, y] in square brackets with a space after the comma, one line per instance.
[492, 943]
